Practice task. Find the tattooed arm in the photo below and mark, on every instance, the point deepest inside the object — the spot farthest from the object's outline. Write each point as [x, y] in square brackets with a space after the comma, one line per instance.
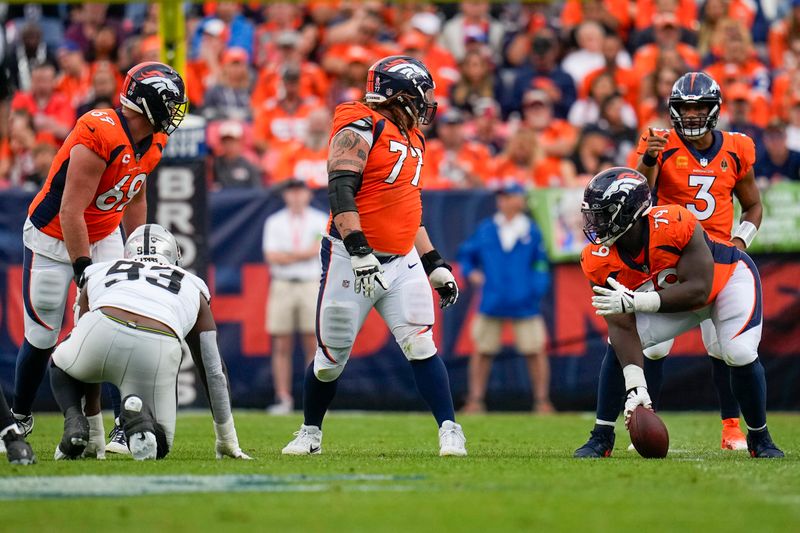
[346, 161]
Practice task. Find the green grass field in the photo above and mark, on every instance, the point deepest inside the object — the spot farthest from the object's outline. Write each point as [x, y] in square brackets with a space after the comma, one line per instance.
[381, 473]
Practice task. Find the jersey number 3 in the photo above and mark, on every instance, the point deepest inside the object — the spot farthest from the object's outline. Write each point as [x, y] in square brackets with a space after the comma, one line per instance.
[402, 149]
[703, 194]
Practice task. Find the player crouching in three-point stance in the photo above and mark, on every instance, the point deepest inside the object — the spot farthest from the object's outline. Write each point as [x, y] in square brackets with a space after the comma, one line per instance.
[377, 253]
[134, 313]
[96, 182]
[678, 276]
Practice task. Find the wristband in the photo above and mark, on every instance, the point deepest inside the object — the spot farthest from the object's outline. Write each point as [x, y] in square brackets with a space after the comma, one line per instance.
[78, 267]
[648, 160]
[356, 244]
[747, 232]
[634, 377]
[646, 302]
[432, 260]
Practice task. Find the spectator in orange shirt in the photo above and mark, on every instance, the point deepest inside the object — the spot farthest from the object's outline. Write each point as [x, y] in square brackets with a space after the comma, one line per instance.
[313, 80]
[451, 161]
[415, 44]
[587, 110]
[476, 81]
[306, 159]
[229, 98]
[438, 59]
[231, 169]
[780, 34]
[474, 19]
[522, 162]
[685, 10]
[612, 14]
[74, 82]
[556, 137]
[104, 92]
[626, 81]
[365, 28]
[655, 90]
[51, 111]
[202, 72]
[737, 113]
[667, 34]
[281, 17]
[487, 129]
[349, 86]
[714, 14]
[738, 63]
[18, 161]
[284, 119]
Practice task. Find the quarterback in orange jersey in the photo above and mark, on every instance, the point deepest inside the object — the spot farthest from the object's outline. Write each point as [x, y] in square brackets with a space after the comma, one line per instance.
[96, 183]
[377, 252]
[656, 274]
[702, 169]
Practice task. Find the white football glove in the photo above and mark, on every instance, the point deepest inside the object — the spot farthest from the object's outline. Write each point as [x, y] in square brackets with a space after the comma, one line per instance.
[227, 444]
[620, 299]
[368, 272]
[636, 397]
[445, 284]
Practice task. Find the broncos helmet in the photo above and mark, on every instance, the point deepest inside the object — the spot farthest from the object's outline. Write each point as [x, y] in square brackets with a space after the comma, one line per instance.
[157, 91]
[154, 243]
[406, 78]
[695, 88]
[612, 202]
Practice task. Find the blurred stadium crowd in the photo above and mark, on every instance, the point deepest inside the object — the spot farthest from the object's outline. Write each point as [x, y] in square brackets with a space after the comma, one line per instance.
[542, 94]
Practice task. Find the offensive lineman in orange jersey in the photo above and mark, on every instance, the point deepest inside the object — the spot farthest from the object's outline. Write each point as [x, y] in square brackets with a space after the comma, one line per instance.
[702, 169]
[679, 276]
[96, 182]
[377, 253]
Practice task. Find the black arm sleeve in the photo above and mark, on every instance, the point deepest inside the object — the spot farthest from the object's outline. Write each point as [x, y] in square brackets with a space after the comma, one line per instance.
[342, 188]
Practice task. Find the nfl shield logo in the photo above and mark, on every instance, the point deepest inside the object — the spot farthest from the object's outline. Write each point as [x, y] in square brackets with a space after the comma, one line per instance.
[703, 162]
[346, 283]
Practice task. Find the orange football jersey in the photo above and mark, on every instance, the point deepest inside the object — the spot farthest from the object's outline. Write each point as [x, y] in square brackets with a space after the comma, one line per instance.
[389, 201]
[104, 132]
[703, 182]
[670, 228]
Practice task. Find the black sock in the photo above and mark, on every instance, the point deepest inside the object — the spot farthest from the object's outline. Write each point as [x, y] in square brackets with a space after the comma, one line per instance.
[610, 387]
[721, 372]
[654, 374]
[67, 390]
[750, 387]
[6, 418]
[317, 397]
[434, 386]
[31, 367]
[116, 398]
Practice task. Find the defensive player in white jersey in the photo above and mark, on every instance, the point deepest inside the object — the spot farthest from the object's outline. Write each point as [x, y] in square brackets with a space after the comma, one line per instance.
[134, 313]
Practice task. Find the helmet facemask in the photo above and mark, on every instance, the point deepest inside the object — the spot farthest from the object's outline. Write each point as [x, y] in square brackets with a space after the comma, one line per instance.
[693, 127]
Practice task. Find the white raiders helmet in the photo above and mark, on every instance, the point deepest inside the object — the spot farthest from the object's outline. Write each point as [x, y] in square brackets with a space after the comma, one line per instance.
[153, 242]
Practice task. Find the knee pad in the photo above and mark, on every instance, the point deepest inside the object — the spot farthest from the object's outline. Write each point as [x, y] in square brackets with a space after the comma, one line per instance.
[337, 324]
[326, 370]
[48, 290]
[417, 343]
[738, 353]
[659, 351]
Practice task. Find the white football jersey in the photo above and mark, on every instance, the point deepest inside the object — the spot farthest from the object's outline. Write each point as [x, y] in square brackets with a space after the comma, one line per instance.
[162, 292]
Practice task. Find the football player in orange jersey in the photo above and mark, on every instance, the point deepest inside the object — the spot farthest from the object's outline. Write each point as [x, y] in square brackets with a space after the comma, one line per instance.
[679, 276]
[377, 253]
[702, 169]
[96, 183]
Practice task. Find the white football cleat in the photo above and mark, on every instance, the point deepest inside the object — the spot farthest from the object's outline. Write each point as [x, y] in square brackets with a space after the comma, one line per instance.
[143, 446]
[452, 440]
[307, 441]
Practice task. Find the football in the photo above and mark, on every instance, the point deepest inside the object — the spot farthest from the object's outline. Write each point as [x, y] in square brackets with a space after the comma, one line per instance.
[648, 434]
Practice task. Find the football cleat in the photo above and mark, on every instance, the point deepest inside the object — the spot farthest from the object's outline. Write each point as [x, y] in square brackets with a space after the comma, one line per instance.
[139, 427]
[452, 441]
[732, 436]
[599, 445]
[307, 441]
[116, 440]
[75, 437]
[760, 445]
[19, 452]
[25, 423]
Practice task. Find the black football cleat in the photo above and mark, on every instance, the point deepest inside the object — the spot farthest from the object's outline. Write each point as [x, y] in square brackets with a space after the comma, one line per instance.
[75, 438]
[760, 445]
[18, 451]
[599, 445]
